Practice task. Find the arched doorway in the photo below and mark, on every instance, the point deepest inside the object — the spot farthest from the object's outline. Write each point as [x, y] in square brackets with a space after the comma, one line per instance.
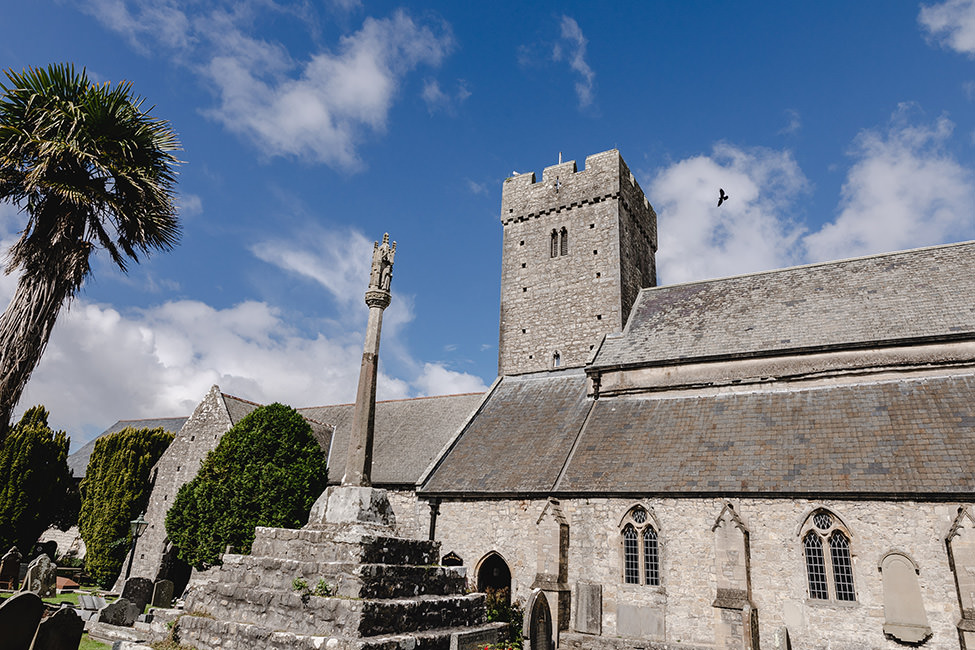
[493, 573]
[539, 630]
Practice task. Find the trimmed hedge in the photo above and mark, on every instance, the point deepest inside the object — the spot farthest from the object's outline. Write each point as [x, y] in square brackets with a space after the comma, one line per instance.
[115, 491]
[36, 488]
[268, 470]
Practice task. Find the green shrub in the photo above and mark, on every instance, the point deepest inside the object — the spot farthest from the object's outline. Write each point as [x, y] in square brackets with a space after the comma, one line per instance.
[115, 491]
[36, 487]
[267, 470]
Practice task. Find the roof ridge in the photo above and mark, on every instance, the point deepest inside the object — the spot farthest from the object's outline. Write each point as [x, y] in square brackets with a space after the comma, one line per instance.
[388, 401]
[811, 265]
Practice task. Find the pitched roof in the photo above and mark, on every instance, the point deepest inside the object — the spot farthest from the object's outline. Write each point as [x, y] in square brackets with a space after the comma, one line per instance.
[881, 299]
[78, 461]
[519, 439]
[907, 437]
[409, 434]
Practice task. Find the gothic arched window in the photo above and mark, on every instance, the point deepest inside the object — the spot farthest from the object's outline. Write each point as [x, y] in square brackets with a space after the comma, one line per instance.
[555, 244]
[563, 241]
[829, 575]
[641, 551]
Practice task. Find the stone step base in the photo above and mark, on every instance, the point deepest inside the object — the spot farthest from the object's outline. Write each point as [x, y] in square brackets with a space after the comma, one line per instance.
[209, 634]
[577, 641]
[344, 543]
[287, 610]
[345, 579]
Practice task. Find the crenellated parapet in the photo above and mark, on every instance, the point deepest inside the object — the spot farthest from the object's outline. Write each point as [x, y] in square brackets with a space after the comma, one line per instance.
[577, 248]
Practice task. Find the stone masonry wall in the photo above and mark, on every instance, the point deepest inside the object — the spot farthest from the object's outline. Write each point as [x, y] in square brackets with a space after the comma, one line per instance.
[178, 465]
[683, 601]
[567, 302]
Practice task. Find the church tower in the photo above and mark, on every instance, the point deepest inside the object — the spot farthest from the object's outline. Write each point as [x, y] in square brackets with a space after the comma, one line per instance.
[577, 248]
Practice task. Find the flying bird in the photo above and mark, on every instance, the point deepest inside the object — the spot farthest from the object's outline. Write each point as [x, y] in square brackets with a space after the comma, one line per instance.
[722, 197]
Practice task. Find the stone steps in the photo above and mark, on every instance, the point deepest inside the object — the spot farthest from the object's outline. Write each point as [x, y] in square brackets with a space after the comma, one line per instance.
[343, 543]
[310, 615]
[208, 633]
[345, 579]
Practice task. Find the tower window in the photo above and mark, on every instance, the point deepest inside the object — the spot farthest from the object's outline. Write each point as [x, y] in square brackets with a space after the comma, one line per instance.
[556, 359]
[555, 244]
[563, 241]
[524, 264]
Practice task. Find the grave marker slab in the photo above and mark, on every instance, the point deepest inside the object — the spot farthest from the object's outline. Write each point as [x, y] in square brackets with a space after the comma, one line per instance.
[60, 631]
[19, 617]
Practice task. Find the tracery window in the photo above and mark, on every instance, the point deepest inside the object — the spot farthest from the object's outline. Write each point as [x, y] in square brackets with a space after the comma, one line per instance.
[829, 576]
[641, 551]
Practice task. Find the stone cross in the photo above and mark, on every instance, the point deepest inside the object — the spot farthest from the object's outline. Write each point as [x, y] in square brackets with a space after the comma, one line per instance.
[358, 462]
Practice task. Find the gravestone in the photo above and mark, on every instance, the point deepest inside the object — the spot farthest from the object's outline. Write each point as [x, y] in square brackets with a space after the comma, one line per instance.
[10, 569]
[19, 616]
[122, 613]
[162, 594]
[42, 577]
[60, 631]
[589, 608]
[138, 591]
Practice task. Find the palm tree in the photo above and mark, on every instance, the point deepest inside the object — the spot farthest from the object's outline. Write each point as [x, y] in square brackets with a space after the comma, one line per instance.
[88, 168]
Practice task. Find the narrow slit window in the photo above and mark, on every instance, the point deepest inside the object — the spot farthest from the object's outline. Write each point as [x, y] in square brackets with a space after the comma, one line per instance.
[839, 549]
[651, 563]
[564, 242]
[555, 244]
[631, 560]
[815, 567]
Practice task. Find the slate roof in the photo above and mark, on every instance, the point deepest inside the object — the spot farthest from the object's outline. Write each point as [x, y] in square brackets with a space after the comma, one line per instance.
[238, 408]
[409, 434]
[881, 299]
[896, 438]
[519, 439]
[78, 461]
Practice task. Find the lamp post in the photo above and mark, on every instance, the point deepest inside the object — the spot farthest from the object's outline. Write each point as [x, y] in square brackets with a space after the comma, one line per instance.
[136, 527]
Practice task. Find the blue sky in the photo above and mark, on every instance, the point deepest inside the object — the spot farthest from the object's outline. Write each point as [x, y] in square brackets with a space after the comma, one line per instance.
[310, 128]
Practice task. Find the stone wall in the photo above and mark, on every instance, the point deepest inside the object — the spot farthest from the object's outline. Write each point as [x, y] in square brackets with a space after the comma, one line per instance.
[567, 302]
[178, 465]
[681, 609]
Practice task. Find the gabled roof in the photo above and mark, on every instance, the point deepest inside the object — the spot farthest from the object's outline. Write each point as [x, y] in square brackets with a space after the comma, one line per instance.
[878, 300]
[78, 461]
[902, 438]
[519, 439]
[409, 434]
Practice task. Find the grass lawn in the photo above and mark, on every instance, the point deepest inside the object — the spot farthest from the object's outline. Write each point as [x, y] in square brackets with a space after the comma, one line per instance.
[91, 644]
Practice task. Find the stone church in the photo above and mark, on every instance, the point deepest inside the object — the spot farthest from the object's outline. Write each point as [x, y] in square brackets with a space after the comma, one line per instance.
[775, 460]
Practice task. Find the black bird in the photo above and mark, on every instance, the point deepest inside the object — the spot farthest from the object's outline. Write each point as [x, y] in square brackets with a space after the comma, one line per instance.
[722, 197]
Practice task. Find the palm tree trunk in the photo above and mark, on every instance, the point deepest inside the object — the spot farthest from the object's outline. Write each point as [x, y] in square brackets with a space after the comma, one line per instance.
[25, 328]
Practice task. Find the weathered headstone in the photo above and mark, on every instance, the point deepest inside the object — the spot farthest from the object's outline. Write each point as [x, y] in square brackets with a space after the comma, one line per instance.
[10, 569]
[138, 591]
[162, 594]
[60, 631]
[42, 577]
[589, 608]
[122, 613]
[19, 616]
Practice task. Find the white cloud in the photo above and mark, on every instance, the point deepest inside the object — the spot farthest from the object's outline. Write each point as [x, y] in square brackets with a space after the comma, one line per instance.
[159, 21]
[338, 261]
[572, 48]
[951, 24]
[795, 122]
[438, 100]
[437, 380]
[902, 191]
[190, 205]
[318, 108]
[747, 233]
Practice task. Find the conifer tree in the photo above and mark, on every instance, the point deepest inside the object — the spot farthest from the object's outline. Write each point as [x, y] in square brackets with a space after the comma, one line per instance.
[268, 470]
[34, 480]
[115, 491]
